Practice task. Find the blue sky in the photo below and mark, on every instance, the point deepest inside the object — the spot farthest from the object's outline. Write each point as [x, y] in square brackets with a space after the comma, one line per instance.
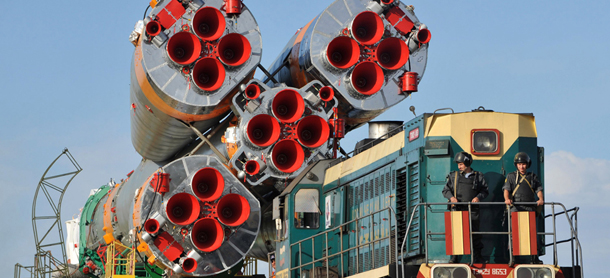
[65, 74]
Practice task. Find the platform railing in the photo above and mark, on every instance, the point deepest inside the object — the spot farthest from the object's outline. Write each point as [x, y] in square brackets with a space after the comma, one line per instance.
[576, 247]
[390, 223]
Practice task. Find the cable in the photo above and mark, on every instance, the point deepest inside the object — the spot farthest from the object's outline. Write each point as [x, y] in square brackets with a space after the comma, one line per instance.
[145, 12]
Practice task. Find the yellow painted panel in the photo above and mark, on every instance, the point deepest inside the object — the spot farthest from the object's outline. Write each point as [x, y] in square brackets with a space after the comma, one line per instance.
[524, 233]
[460, 125]
[457, 232]
[383, 271]
[365, 158]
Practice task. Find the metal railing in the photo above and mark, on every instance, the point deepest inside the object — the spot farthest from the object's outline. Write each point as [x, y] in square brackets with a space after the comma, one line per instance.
[573, 231]
[342, 251]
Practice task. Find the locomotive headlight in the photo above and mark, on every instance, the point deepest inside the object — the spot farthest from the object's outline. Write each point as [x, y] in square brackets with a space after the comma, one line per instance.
[534, 271]
[451, 271]
[485, 141]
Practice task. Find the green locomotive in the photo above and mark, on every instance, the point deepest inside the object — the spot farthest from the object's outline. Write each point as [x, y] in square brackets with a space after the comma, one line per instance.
[380, 212]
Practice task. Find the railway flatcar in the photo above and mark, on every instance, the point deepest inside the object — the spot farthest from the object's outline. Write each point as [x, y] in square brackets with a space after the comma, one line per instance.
[379, 212]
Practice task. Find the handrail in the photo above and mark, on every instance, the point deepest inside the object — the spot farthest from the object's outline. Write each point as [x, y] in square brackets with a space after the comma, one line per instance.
[574, 233]
[326, 256]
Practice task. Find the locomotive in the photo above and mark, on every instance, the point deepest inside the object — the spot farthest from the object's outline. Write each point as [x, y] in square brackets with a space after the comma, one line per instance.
[380, 212]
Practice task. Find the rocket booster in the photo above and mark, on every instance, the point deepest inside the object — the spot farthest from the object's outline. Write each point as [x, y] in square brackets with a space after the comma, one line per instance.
[364, 50]
[191, 215]
[189, 62]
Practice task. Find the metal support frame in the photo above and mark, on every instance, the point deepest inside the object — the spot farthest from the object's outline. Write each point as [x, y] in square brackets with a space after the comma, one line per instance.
[19, 267]
[570, 218]
[46, 264]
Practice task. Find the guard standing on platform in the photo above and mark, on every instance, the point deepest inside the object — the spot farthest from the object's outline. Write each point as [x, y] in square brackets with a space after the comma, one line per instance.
[523, 186]
[467, 185]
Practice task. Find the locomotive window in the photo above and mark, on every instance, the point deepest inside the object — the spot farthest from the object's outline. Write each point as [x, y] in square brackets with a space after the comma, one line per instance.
[306, 209]
[485, 141]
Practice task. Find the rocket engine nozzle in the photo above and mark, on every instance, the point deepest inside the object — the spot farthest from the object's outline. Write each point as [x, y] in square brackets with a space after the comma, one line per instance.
[207, 235]
[252, 91]
[208, 23]
[252, 167]
[326, 93]
[367, 28]
[234, 49]
[287, 155]
[423, 35]
[343, 52]
[208, 184]
[263, 130]
[392, 53]
[183, 48]
[151, 226]
[182, 209]
[233, 210]
[208, 74]
[189, 265]
[153, 28]
[313, 131]
[288, 106]
[367, 78]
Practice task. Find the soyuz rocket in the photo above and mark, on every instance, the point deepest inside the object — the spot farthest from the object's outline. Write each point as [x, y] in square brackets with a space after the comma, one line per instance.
[217, 145]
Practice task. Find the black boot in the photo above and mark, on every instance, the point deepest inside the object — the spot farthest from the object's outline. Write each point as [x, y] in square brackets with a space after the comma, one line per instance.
[478, 259]
[454, 259]
[536, 260]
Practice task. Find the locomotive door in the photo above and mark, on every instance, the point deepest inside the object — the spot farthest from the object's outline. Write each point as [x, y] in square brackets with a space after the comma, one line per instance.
[334, 217]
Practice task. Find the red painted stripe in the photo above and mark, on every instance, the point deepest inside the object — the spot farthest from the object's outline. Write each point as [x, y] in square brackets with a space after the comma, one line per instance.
[448, 239]
[515, 232]
[466, 229]
[533, 237]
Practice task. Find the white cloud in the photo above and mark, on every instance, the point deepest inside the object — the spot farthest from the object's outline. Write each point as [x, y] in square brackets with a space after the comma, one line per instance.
[577, 179]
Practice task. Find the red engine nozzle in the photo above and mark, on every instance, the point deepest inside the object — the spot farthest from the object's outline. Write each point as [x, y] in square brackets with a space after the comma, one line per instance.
[424, 35]
[233, 210]
[183, 48]
[252, 167]
[208, 23]
[367, 78]
[343, 52]
[189, 265]
[392, 53]
[207, 235]
[287, 155]
[312, 131]
[387, 2]
[263, 130]
[182, 209]
[288, 106]
[208, 74]
[367, 27]
[151, 226]
[153, 28]
[253, 91]
[234, 49]
[326, 93]
[208, 184]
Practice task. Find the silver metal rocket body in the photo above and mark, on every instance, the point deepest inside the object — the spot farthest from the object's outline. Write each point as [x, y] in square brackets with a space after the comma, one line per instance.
[164, 94]
[311, 42]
